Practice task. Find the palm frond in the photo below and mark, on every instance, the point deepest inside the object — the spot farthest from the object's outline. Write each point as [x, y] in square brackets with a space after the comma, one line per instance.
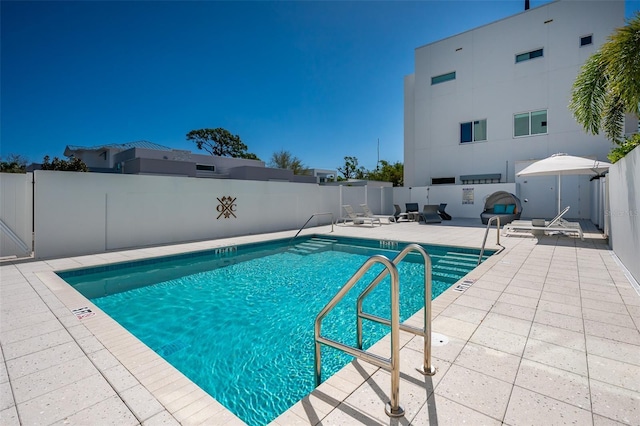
[589, 92]
[613, 118]
[622, 53]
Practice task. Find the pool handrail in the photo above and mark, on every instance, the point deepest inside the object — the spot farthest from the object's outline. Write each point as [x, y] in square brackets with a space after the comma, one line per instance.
[427, 368]
[486, 232]
[308, 220]
[391, 364]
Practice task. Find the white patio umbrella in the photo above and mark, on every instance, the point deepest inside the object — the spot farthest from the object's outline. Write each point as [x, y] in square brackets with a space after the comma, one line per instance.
[564, 164]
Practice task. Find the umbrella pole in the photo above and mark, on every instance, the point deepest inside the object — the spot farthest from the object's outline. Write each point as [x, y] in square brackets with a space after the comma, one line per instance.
[559, 191]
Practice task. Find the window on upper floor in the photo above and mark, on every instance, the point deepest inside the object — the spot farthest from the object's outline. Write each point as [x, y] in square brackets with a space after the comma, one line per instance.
[529, 55]
[473, 131]
[530, 123]
[443, 77]
[586, 40]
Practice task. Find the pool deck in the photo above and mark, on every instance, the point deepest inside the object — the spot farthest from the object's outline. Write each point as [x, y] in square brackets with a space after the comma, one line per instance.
[548, 333]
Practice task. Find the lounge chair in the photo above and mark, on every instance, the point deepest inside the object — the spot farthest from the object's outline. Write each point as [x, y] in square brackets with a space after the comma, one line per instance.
[444, 215]
[357, 220]
[557, 224]
[413, 211]
[368, 213]
[430, 214]
[503, 204]
[398, 215]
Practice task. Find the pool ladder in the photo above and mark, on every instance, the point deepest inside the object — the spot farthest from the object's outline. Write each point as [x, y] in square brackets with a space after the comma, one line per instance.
[391, 364]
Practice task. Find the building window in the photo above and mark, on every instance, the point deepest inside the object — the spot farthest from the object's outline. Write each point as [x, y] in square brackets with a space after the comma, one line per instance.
[586, 40]
[473, 131]
[443, 77]
[443, 181]
[205, 167]
[530, 123]
[529, 55]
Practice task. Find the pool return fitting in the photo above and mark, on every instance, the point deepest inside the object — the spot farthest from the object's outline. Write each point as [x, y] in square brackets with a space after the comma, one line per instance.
[391, 364]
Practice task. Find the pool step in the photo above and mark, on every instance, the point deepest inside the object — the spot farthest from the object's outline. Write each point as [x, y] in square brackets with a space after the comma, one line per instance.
[173, 347]
[314, 245]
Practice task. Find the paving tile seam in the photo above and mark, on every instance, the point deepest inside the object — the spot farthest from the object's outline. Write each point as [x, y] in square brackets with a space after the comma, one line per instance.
[13, 395]
[584, 328]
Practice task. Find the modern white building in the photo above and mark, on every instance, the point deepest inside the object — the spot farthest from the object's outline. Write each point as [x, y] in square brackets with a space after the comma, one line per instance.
[483, 104]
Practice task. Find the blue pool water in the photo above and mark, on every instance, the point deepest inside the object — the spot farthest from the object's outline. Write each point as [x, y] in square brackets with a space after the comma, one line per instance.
[239, 322]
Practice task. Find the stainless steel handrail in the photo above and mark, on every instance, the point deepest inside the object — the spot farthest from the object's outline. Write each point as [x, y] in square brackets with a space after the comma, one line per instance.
[486, 232]
[391, 364]
[312, 216]
[427, 369]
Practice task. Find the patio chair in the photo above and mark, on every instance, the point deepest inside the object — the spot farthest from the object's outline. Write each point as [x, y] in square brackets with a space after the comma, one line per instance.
[412, 210]
[398, 215]
[557, 224]
[430, 214]
[357, 220]
[368, 213]
[444, 215]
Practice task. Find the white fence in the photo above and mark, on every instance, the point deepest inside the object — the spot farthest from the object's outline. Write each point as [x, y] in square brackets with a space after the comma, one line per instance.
[623, 211]
[82, 213]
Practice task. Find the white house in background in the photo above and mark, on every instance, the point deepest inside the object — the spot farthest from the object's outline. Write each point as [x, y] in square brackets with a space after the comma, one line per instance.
[148, 158]
[482, 104]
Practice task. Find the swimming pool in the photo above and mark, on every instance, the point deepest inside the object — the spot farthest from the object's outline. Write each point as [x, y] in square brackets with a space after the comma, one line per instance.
[238, 321]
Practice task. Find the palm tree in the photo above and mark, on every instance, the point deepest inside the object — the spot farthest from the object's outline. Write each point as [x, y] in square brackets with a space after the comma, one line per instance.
[608, 85]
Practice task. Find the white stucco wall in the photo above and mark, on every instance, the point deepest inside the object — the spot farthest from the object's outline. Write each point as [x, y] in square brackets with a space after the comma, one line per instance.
[81, 213]
[490, 85]
[623, 182]
[16, 211]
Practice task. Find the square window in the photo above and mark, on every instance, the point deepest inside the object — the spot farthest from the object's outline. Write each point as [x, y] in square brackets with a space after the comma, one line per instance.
[473, 131]
[586, 40]
[530, 123]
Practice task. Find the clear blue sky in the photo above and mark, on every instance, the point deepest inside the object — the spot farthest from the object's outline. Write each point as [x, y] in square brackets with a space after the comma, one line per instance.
[322, 80]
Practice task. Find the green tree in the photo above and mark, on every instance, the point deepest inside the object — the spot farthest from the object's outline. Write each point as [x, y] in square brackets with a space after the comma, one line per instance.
[388, 172]
[351, 169]
[608, 85]
[71, 165]
[286, 160]
[220, 142]
[14, 163]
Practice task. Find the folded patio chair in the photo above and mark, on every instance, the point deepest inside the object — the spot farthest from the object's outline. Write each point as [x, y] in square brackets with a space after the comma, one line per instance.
[444, 215]
[357, 220]
[430, 214]
[557, 224]
[368, 213]
[398, 215]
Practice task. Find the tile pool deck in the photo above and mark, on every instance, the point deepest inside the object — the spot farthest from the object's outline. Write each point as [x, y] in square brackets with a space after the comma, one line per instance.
[547, 334]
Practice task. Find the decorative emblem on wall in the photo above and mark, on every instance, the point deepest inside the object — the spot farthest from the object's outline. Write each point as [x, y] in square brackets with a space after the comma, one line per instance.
[226, 207]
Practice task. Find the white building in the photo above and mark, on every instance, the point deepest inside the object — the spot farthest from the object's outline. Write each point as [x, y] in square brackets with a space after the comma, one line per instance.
[482, 104]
